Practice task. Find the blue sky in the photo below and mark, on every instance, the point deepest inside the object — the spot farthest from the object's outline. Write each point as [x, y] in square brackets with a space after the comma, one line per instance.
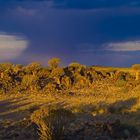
[92, 32]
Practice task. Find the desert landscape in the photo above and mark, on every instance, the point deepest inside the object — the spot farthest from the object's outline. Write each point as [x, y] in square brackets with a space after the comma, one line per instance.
[69, 70]
[74, 102]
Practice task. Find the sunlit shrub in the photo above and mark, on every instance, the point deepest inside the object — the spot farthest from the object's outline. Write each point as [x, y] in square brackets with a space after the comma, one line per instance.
[51, 122]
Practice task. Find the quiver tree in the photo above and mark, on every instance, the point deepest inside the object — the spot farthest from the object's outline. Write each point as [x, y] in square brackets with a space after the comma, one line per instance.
[136, 68]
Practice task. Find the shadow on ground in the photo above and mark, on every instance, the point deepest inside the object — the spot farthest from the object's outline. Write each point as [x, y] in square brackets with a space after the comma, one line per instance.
[112, 121]
[16, 108]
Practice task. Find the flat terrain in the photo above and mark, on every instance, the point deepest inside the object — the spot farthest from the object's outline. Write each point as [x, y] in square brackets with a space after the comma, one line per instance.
[75, 102]
[103, 102]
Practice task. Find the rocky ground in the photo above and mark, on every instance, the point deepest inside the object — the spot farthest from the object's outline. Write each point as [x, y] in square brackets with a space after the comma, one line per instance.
[119, 122]
[79, 129]
[21, 130]
[91, 130]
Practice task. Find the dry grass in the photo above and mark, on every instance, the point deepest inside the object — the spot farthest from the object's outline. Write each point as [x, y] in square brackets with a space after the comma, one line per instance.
[51, 122]
[103, 100]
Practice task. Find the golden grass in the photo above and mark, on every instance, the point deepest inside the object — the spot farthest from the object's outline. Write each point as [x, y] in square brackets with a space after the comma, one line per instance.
[104, 100]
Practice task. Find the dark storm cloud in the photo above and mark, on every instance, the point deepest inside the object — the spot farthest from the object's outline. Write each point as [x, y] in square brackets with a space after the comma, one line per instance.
[79, 4]
[90, 4]
[74, 30]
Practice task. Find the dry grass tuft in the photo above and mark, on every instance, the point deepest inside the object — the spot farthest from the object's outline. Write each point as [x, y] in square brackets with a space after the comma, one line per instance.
[51, 122]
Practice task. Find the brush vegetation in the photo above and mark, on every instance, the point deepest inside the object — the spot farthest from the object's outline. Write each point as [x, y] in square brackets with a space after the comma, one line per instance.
[72, 102]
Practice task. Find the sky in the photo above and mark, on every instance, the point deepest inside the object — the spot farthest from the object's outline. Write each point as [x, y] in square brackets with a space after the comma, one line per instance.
[91, 32]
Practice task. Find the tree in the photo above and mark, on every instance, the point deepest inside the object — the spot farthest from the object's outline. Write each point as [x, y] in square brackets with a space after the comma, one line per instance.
[54, 63]
[136, 68]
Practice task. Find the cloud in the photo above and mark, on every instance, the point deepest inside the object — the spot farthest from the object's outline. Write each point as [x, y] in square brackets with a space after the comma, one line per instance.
[123, 46]
[11, 46]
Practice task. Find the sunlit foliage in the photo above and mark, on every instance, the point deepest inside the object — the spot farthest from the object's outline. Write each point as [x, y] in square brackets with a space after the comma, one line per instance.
[53, 78]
